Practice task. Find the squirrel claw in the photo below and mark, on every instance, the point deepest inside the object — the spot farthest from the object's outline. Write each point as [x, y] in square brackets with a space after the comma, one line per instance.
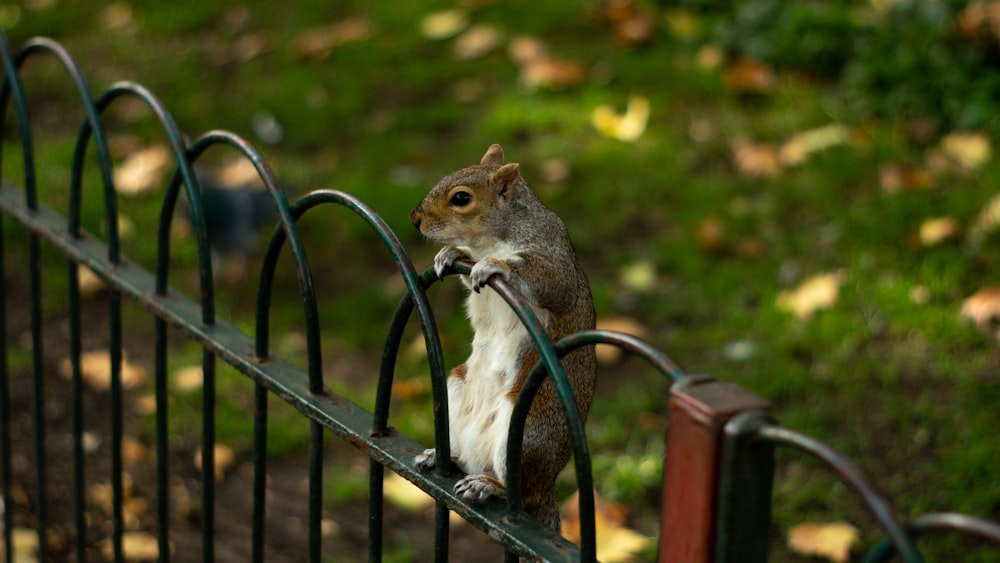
[425, 460]
[445, 258]
[478, 488]
[483, 270]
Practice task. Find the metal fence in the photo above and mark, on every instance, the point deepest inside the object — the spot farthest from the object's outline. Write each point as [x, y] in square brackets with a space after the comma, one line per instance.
[719, 465]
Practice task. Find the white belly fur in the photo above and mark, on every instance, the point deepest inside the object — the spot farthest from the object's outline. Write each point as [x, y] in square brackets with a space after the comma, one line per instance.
[491, 372]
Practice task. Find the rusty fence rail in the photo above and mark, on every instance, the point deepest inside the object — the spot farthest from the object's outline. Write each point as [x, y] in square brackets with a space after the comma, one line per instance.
[719, 464]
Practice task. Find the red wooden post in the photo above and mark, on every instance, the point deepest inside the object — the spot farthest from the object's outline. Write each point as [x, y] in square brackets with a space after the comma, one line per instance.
[698, 410]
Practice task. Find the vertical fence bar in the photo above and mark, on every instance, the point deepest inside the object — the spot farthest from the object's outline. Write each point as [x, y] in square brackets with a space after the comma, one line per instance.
[117, 426]
[208, 457]
[75, 350]
[38, 368]
[5, 449]
[162, 443]
[745, 485]
[315, 490]
[699, 407]
[259, 472]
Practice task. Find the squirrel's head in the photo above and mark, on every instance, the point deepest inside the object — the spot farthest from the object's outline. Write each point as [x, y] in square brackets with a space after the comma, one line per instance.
[466, 208]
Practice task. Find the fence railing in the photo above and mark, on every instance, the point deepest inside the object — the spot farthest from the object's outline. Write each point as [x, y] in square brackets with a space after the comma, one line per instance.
[719, 466]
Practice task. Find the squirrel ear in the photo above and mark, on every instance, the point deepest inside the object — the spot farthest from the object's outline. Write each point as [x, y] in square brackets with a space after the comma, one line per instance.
[506, 177]
[493, 156]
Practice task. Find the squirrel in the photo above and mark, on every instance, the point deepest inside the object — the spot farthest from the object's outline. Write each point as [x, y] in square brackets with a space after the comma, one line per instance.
[488, 214]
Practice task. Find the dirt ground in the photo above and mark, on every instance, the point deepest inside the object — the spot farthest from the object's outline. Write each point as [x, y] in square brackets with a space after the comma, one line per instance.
[408, 535]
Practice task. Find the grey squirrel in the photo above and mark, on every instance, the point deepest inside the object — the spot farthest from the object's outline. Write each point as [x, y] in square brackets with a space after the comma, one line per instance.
[488, 214]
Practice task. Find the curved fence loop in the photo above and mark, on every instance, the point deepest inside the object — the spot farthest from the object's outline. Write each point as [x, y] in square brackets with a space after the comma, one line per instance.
[410, 277]
[939, 522]
[13, 90]
[852, 475]
[92, 125]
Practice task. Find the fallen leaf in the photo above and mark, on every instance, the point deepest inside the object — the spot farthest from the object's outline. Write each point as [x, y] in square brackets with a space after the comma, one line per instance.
[444, 24]
[832, 541]
[551, 72]
[25, 543]
[120, 17]
[89, 283]
[317, 43]
[609, 355]
[95, 371]
[133, 451]
[938, 230]
[136, 546]
[815, 293]
[225, 459]
[795, 151]
[409, 388]
[405, 494]
[639, 275]
[755, 160]
[238, 173]
[710, 57]
[711, 234]
[477, 41]
[554, 170]
[615, 542]
[980, 22]
[526, 48]
[749, 76]
[894, 178]
[983, 309]
[142, 171]
[987, 221]
[626, 127]
[188, 378]
[966, 151]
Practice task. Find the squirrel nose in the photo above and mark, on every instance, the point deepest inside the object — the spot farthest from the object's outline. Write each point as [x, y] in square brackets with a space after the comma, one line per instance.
[415, 219]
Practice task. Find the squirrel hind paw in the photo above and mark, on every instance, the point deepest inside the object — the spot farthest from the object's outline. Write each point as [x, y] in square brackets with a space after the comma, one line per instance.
[445, 258]
[425, 461]
[478, 488]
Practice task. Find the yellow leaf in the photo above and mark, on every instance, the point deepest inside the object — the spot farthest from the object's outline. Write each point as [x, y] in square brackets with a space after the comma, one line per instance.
[799, 147]
[638, 276]
[188, 378]
[477, 41]
[608, 354]
[818, 292]
[95, 371]
[444, 24]
[983, 308]
[935, 231]
[225, 459]
[987, 221]
[755, 160]
[142, 171]
[405, 494]
[319, 42]
[137, 546]
[967, 151]
[832, 541]
[626, 127]
[615, 542]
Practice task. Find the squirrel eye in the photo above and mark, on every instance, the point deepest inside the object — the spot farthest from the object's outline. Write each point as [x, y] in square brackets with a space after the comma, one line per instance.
[461, 199]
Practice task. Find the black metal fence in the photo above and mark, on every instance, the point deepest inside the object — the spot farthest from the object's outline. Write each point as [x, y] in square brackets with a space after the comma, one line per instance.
[719, 465]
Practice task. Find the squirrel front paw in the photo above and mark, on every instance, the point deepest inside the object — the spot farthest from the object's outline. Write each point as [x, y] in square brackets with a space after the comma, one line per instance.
[484, 269]
[478, 488]
[445, 258]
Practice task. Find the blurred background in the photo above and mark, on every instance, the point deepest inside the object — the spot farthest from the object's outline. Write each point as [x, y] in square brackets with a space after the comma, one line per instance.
[797, 196]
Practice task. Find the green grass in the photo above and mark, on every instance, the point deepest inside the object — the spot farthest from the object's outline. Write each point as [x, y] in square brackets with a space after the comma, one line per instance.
[904, 388]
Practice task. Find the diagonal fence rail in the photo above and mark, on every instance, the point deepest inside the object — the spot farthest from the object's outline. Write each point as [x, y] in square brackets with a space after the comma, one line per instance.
[719, 466]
